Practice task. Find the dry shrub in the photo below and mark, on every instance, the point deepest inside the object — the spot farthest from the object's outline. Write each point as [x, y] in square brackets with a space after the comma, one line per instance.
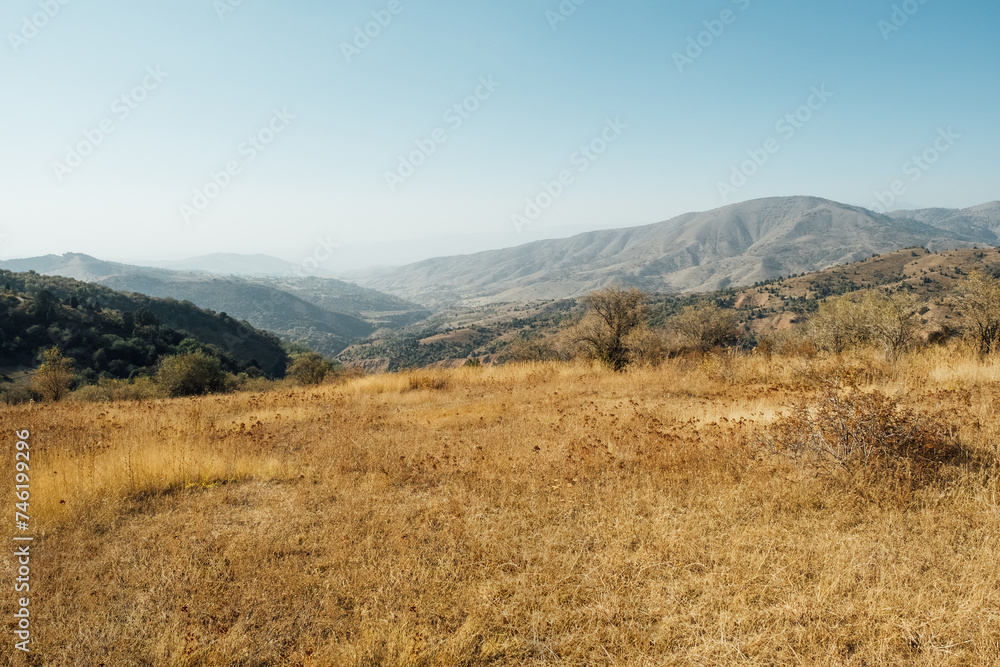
[109, 390]
[428, 380]
[866, 438]
[785, 343]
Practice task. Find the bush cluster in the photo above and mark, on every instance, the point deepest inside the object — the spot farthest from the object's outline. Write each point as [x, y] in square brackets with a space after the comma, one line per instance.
[866, 437]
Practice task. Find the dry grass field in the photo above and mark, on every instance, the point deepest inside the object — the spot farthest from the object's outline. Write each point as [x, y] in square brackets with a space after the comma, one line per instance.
[552, 514]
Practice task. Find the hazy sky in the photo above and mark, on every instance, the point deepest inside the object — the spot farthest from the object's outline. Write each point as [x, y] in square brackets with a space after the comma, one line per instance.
[172, 129]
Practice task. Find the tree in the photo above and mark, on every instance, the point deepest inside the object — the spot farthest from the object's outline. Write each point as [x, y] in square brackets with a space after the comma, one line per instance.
[979, 300]
[892, 321]
[613, 314]
[838, 325]
[53, 377]
[310, 368]
[866, 318]
[705, 327]
[190, 374]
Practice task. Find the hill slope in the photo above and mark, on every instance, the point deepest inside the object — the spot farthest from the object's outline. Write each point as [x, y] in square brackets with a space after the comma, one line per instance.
[116, 332]
[735, 245]
[328, 315]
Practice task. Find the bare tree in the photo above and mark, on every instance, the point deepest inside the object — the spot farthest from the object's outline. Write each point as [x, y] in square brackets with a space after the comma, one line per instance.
[614, 313]
[979, 300]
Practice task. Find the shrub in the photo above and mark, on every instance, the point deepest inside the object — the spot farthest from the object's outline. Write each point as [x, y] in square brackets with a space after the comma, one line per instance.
[522, 349]
[979, 299]
[16, 394]
[866, 318]
[190, 374]
[427, 380]
[310, 368]
[704, 327]
[53, 377]
[108, 390]
[865, 437]
[613, 314]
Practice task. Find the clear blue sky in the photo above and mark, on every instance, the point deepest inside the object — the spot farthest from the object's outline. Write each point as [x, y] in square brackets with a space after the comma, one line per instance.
[224, 73]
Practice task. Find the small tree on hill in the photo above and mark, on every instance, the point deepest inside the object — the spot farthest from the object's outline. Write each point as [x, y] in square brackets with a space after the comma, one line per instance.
[52, 379]
[979, 300]
[613, 314]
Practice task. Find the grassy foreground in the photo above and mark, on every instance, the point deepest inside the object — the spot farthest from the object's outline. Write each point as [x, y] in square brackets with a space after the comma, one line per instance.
[519, 515]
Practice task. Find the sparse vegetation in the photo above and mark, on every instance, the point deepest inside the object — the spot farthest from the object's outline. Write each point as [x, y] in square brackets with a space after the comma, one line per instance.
[524, 515]
[867, 317]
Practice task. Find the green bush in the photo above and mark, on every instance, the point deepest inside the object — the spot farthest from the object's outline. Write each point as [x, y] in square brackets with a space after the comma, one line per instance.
[110, 389]
[191, 374]
[309, 368]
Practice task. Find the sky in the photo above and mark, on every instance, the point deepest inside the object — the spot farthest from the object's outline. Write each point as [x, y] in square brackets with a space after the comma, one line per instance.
[322, 131]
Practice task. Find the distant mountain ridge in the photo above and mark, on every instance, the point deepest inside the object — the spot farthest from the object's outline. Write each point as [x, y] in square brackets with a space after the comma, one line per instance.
[298, 309]
[731, 246]
[229, 264]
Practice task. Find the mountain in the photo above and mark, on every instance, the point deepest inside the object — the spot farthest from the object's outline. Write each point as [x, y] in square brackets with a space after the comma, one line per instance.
[732, 246]
[983, 220]
[306, 310]
[229, 264]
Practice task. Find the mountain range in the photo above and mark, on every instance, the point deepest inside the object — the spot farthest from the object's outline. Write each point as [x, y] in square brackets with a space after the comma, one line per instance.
[324, 314]
[733, 246]
[736, 245]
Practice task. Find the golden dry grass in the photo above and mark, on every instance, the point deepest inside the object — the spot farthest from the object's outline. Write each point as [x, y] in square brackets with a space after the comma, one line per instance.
[518, 515]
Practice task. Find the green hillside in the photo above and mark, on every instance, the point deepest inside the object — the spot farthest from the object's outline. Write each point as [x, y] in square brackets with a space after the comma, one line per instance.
[115, 334]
